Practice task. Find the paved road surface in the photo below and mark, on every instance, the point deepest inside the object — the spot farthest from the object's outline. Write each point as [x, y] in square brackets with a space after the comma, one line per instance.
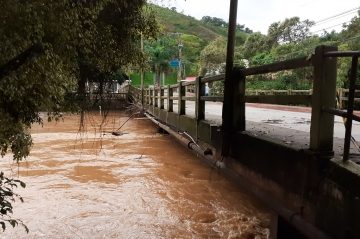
[289, 124]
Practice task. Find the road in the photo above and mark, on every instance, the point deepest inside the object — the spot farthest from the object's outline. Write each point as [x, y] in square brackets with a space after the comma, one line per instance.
[289, 124]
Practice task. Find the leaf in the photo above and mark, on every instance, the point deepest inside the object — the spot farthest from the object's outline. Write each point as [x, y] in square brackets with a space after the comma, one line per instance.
[3, 225]
[22, 184]
[26, 228]
[13, 223]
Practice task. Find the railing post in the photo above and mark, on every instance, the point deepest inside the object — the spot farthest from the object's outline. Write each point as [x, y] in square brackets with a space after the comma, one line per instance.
[161, 98]
[154, 96]
[324, 96]
[146, 97]
[235, 103]
[170, 101]
[142, 96]
[350, 107]
[150, 95]
[181, 102]
[199, 104]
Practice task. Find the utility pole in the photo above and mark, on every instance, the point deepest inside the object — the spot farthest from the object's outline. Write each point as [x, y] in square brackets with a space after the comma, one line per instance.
[142, 72]
[180, 46]
[227, 111]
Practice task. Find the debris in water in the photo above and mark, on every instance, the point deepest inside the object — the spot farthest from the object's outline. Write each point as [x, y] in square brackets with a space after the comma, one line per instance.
[117, 133]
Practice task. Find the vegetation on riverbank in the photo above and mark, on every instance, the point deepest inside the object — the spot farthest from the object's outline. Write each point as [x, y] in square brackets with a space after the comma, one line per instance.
[287, 39]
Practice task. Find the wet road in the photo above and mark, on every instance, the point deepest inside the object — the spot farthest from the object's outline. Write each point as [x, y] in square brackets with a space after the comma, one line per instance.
[141, 184]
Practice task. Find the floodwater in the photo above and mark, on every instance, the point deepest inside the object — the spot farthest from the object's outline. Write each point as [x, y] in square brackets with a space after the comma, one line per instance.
[141, 184]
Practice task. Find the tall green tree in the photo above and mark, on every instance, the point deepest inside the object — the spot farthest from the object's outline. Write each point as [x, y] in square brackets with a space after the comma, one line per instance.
[289, 31]
[45, 45]
[212, 57]
[254, 44]
[351, 33]
[161, 52]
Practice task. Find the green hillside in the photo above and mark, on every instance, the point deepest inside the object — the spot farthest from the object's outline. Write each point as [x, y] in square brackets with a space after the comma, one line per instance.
[173, 21]
[194, 35]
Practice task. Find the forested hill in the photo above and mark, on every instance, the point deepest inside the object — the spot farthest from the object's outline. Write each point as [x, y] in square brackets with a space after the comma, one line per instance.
[190, 35]
[208, 29]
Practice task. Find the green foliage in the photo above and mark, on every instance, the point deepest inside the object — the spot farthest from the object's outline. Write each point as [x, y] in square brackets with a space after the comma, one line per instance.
[7, 196]
[50, 48]
[161, 52]
[254, 44]
[194, 35]
[262, 59]
[350, 40]
[282, 81]
[217, 88]
[177, 22]
[351, 33]
[215, 21]
[289, 31]
[193, 46]
[206, 31]
[170, 78]
[212, 58]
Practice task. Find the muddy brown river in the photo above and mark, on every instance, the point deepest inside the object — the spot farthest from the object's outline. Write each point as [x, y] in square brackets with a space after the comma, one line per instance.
[141, 184]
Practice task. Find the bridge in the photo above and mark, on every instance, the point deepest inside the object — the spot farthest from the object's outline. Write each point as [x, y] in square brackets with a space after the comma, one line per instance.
[311, 180]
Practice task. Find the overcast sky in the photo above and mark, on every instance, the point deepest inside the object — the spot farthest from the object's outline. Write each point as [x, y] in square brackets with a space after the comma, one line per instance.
[259, 14]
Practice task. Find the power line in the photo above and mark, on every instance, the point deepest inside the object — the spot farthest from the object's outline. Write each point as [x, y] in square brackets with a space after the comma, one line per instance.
[334, 18]
[323, 29]
[337, 15]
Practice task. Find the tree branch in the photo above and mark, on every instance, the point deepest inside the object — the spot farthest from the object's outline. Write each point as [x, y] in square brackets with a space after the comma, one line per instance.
[20, 59]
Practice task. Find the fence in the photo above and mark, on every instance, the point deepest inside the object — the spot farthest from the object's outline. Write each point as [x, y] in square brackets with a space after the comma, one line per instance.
[322, 99]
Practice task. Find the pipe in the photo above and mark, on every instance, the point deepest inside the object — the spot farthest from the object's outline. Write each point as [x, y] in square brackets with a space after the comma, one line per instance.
[187, 143]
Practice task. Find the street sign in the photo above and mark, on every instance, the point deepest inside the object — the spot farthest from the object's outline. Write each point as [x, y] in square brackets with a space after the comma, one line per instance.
[175, 63]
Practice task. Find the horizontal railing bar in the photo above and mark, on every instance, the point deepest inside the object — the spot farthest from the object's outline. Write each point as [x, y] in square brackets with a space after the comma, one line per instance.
[347, 91]
[278, 66]
[302, 91]
[187, 83]
[174, 86]
[189, 98]
[341, 113]
[342, 53]
[212, 98]
[346, 99]
[213, 78]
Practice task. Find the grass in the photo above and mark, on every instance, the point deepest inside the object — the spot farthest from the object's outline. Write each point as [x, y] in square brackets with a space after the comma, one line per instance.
[170, 79]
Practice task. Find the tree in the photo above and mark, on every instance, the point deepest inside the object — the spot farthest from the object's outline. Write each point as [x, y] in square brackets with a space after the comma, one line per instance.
[290, 30]
[212, 57]
[351, 33]
[215, 21]
[161, 51]
[193, 46]
[255, 43]
[46, 48]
